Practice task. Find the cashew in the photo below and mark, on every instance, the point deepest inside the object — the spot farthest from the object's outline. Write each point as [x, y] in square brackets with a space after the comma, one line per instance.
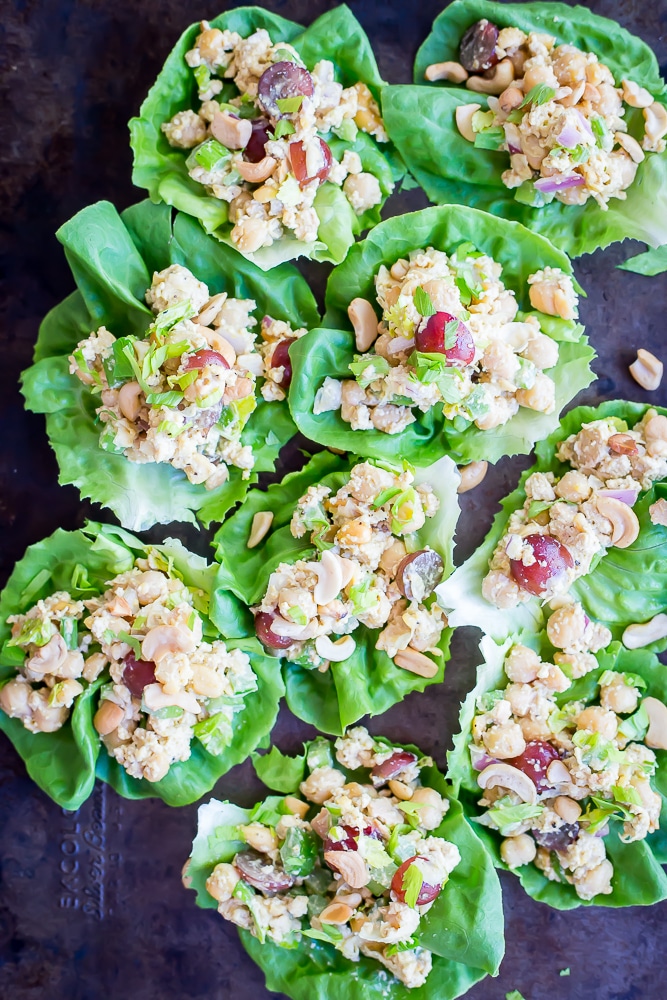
[636, 96]
[647, 370]
[495, 82]
[557, 773]
[636, 636]
[337, 651]
[509, 777]
[472, 475]
[510, 99]
[400, 790]
[452, 71]
[211, 309]
[255, 173]
[655, 117]
[297, 807]
[351, 866]
[329, 577]
[336, 913]
[624, 521]
[352, 899]
[261, 523]
[166, 639]
[49, 658]
[416, 662]
[232, 132]
[128, 400]
[568, 809]
[630, 145]
[349, 570]
[656, 735]
[464, 113]
[154, 699]
[219, 343]
[261, 837]
[108, 717]
[365, 323]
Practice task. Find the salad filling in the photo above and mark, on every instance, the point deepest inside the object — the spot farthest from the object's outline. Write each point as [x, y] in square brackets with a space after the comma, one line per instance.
[556, 770]
[162, 682]
[182, 395]
[557, 111]
[368, 569]
[262, 151]
[451, 335]
[568, 521]
[353, 863]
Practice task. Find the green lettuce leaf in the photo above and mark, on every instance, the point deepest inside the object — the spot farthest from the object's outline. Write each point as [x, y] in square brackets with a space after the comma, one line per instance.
[368, 682]
[420, 121]
[328, 352]
[650, 263]
[161, 169]
[279, 771]
[625, 586]
[638, 878]
[64, 764]
[112, 258]
[463, 928]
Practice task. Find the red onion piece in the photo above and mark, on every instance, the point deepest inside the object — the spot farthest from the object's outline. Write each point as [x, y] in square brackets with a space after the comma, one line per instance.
[480, 759]
[549, 185]
[625, 496]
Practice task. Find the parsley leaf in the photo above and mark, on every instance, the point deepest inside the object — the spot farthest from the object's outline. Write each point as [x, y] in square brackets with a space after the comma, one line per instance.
[423, 302]
[412, 884]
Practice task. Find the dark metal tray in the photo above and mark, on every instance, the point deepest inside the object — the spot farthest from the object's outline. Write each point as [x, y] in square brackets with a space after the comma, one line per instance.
[91, 904]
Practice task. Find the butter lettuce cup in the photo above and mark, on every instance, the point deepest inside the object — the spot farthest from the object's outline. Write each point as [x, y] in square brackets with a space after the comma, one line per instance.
[447, 331]
[587, 523]
[363, 879]
[163, 377]
[120, 659]
[338, 563]
[560, 764]
[543, 113]
[270, 134]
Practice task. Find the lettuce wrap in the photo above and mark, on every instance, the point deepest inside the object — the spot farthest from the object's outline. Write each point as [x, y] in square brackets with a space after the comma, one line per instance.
[624, 586]
[421, 122]
[638, 879]
[463, 929]
[368, 681]
[112, 259]
[327, 352]
[65, 762]
[649, 263]
[161, 169]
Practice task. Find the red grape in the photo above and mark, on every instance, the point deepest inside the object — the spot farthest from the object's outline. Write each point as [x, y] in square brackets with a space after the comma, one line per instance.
[426, 564]
[393, 765]
[557, 840]
[137, 674]
[255, 150]
[283, 79]
[263, 622]
[552, 560]
[534, 762]
[281, 359]
[257, 870]
[203, 358]
[431, 339]
[427, 893]
[478, 47]
[297, 155]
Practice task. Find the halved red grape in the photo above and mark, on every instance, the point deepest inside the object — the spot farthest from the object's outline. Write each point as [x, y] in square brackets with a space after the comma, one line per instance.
[281, 359]
[431, 338]
[557, 840]
[263, 622]
[255, 150]
[392, 766]
[350, 842]
[297, 155]
[427, 565]
[478, 47]
[137, 674]
[258, 871]
[283, 79]
[552, 560]
[534, 762]
[427, 893]
[204, 357]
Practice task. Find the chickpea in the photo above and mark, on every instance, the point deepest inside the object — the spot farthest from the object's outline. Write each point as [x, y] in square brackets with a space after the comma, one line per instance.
[534, 729]
[262, 838]
[518, 851]
[573, 487]
[569, 65]
[619, 697]
[14, 698]
[500, 360]
[522, 664]
[596, 882]
[655, 432]
[504, 741]
[520, 697]
[542, 396]
[566, 626]
[568, 810]
[598, 720]
[542, 351]
[430, 816]
[534, 75]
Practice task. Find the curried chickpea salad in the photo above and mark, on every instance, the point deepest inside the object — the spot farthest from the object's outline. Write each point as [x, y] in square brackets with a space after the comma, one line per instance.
[353, 866]
[564, 749]
[272, 141]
